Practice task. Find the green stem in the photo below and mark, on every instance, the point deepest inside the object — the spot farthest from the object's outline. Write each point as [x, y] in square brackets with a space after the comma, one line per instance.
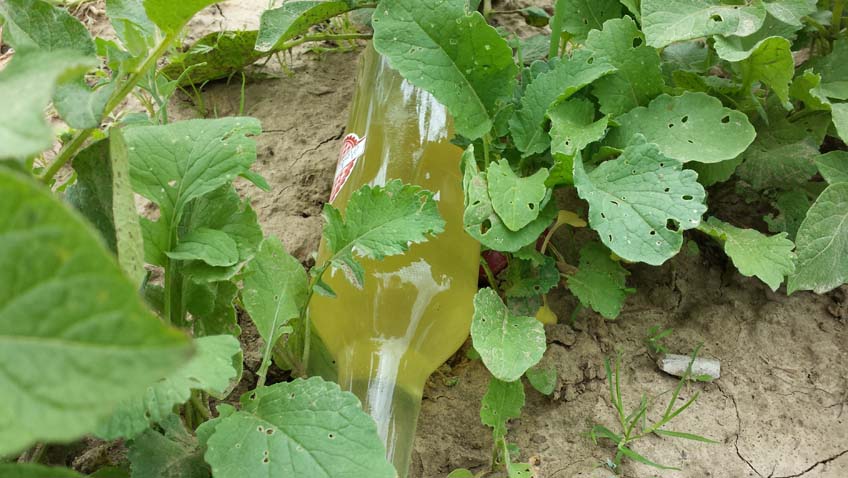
[489, 275]
[836, 19]
[321, 37]
[486, 140]
[556, 35]
[304, 316]
[487, 9]
[201, 407]
[71, 148]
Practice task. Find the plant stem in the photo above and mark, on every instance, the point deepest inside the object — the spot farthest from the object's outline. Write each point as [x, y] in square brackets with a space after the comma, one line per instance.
[487, 9]
[486, 140]
[201, 407]
[556, 35]
[489, 275]
[71, 148]
[836, 18]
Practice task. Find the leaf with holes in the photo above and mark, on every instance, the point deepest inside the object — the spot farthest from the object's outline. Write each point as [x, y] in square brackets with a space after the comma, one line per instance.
[769, 258]
[667, 22]
[638, 78]
[49, 255]
[300, 428]
[564, 79]
[600, 283]
[581, 16]
[502, 401]
[454, 54]
[690, 127]
[275, 290]
[822, 243]
[211, 370]
[508, 344]
[641, 202]
[483, 223]
[573, 126]
[291, 19]
[517, 200]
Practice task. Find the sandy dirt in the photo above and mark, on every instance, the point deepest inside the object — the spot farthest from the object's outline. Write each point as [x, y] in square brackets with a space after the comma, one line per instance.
[779, 410]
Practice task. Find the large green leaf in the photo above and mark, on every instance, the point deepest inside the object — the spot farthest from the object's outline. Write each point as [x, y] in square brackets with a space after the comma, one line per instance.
[211, 246]
[38, 25]
[380, 221]
[833, 166]
[275, 289]
[483, 223]
[91, 193]
[210, 370]
[769, 258]
[769, 61]
[26, 86]
[638, 78]
[667, 22]
[508, 344]
[502, 401]
[560, 82]
[822, 243]
[171, 16]
[131, 24]
[211, 305]
[214, 56]
[641, 202]
[66, 309]
[784, 153]
[581, 16]
[439, 46]
[600, 282]
[294, 18]
[174, 454]
[833, 69]
[516, 199]
[690, 127]
[128, 237]
[300, 428]
[30, 470]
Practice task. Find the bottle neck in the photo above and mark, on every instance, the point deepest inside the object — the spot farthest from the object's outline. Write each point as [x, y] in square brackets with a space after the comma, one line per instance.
[390, 390]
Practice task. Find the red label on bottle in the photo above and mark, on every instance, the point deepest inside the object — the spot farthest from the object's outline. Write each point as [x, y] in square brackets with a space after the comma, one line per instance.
[353, 148]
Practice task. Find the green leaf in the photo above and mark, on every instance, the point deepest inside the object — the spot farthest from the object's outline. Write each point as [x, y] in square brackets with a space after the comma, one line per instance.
[129, 241]
[685, 436]
[638, 78]
[211, 305]
[131, 24]
[784, 153]
[600, 282]
[581, 16]
[294, 18]
[81, 106]
[172, 16]
[300, 428]
[641, 202]
[833, 69]
[641, 459]
[508, 344]
[91, 194]
[770, 61]
[769, 258]
[525, 278]
[714, 173]
[520, 470]
[210, 370]
[516, 199]
[380, 221]
[49, 256]
[461, 473]
[31, 470]
[840, 120]
[573, 126]
[791, 12]
[37, 25]
[176, 454]
[667, 22]
[690, 127]
[483, 223]
[822, 243]
[833, 166]
[546, 90]
[806, 87]
[503, 401]
[213, 247]
[454, 54]
[27, 84]
[275, 289]
[214, 56]
[543, 379]
[793, 206]
[223, 210]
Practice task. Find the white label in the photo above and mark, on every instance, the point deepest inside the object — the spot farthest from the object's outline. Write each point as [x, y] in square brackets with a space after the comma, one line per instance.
[353, 148]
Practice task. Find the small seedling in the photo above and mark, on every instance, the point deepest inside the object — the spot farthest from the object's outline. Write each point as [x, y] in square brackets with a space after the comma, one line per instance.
[654, 338]
[635, 426]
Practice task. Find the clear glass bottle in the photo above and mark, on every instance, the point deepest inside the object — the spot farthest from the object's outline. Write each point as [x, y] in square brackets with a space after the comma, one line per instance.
[415, 310]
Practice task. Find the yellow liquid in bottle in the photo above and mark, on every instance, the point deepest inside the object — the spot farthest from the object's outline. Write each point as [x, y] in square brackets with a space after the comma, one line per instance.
[415, 309]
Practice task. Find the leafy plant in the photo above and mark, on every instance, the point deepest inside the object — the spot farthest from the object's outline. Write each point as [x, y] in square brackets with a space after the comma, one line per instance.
[635, 425]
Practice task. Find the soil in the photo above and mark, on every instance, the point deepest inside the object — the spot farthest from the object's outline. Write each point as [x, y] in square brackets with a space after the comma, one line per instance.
[780, 408]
